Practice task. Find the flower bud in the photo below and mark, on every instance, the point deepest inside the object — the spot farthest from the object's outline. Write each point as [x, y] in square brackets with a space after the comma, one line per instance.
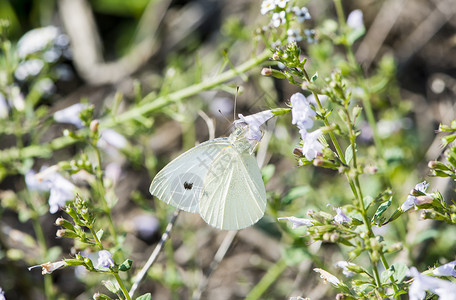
[266, 72]
[66, 233]
[371, 170]
[420, 200]
[64, 223]
[94, 125]
[275, 56]
[297, 152]
[318, 161]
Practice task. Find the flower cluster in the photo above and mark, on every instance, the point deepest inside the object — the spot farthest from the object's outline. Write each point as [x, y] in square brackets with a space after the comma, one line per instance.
[418, 196]
[302, 114]
[282, 14]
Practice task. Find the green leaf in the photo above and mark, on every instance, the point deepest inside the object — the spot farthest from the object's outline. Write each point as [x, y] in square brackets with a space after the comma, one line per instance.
[267, 172]
[126, 265]
[294, 193]
[147, 296]
[99, 234]
[400, 271]
[349, 154]
[314, 77]
[381, 209]
[112, 287]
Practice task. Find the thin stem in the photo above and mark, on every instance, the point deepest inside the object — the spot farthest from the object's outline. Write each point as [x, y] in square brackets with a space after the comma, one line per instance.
[121, 285]
[154, 254]
[268, 279]
[101, 191]
[340, 12]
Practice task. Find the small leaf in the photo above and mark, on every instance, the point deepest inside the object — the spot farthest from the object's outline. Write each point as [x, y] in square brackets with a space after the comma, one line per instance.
[314, 77]
[112, 287]
[99, 234]
[348, 154]
[126, 265]
[267, 173]
[381, 209]
[400, 271]
[147, 296]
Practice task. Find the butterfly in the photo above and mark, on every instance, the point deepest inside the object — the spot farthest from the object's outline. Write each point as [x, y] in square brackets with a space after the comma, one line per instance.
[219, 179]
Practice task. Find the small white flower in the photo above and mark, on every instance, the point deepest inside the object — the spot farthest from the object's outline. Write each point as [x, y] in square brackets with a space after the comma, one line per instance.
[254, 122]
[446, 269]
[422, 283]
[278, 19]
[297, 222]
[111, 138]
[281, 3]
[328, 277]
[62, 191]
[105, 259]
[267, 6]
[35, 184]
[355, 19]
[49, 267]
[413, 201]
[311, 99]
[16, 98]
[2, 294]
[311, 146]
[71, 114]
[293, 35]
[36, 40]
[28, 68]
[343, 265]
[341, 217]
[301, 112]
[310, 34]
[302, 14]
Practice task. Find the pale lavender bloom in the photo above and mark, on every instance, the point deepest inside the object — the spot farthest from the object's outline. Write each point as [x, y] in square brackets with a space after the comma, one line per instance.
[16, 98]
[105, 259]
[343, 265]
[311, 146]
[310, 34]
[293, 36]
[301, 111]
[62, 191]
[28, 68]
[311, 99]
[341, 217]
[297, 222]
[36, 40]
[302, 14]
[278, 19]
[422, 283]
[146, 226]
[46, 86]
[328, 277]
[34, 184]
[355, 19]
[71, 114]
[113, 171]
[254, 122]
[2, 294]
[281, 3]
[412, 201]
[446, 269]
[267, 6]
[4, 109]
[111, 138]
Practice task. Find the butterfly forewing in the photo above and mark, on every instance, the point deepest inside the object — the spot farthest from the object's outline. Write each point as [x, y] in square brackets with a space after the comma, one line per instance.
[233, 195]
[181, 181]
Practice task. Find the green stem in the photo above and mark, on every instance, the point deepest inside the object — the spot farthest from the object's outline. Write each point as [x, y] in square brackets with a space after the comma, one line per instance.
[101, 191]
[121, 285]
[152, 104]
[340, 13]
[268, 279]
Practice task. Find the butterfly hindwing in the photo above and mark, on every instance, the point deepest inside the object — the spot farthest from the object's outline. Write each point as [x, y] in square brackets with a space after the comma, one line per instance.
[180, 182]
[233, 195]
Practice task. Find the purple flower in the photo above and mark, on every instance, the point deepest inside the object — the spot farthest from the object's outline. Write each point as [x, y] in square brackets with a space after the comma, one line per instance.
[343, 265]
[49, 267]
[71, 114]
[301, 111]
[413, 201]
[341, 217]
[2, 294]
[311, 146]
[105, 259]
[446, 269]
[355, 19]
[422, 283]
[297, 222]
[254, 122]
[302, 14]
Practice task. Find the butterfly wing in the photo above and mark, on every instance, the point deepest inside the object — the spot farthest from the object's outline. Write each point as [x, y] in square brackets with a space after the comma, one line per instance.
[180, 182]
[233, 195]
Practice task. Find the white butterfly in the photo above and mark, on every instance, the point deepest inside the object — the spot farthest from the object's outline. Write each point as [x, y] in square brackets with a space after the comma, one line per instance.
[219, 179]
